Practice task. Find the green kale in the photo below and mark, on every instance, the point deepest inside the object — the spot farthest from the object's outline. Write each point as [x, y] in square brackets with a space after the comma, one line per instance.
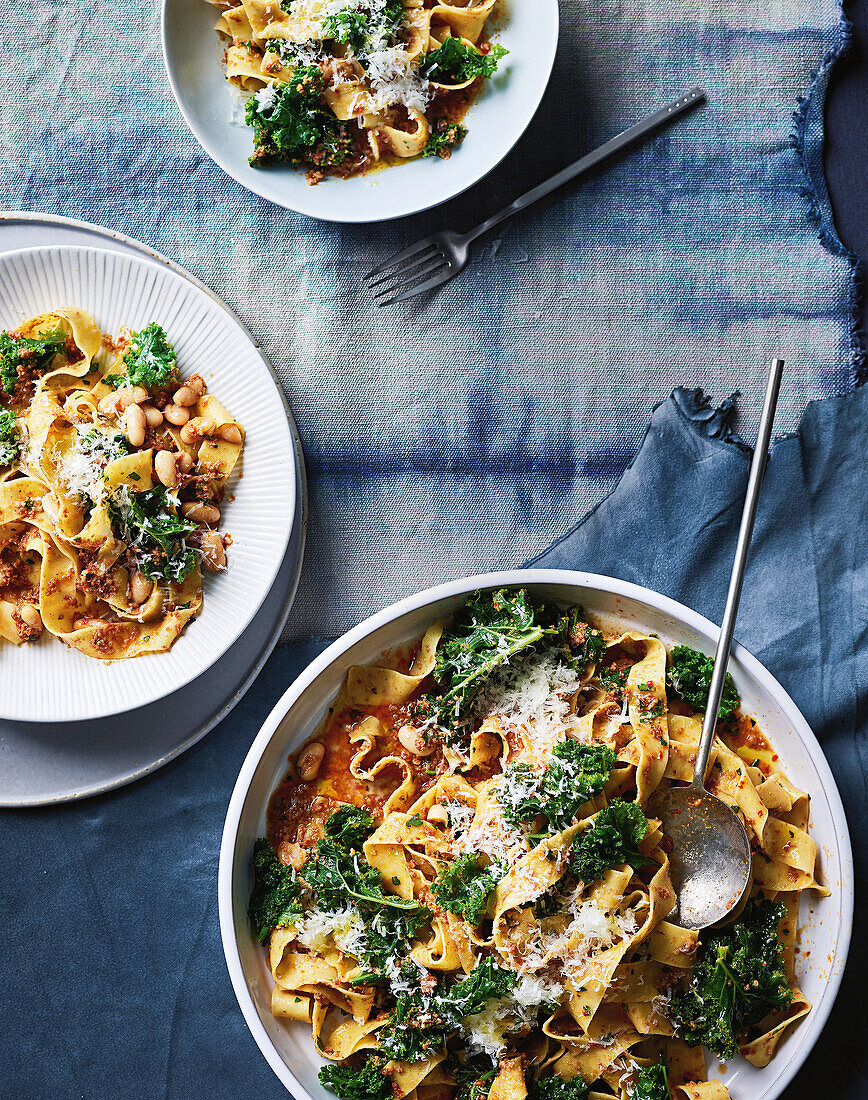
[473, 1079]
[276, 898]
[463, 887]
[365, 29]
[366, 1081]
[613, 840]
[738, 978]
[689, 677]
[291, 123]
[420, 1026]
[493, 629]
[32, 354]
[454, 62]
[444, 138]
[10, 443]
[350, 826]
[155, 534]
[652, 1083]
[556, 1088]
[577, 773]
[150, 360]
[338, 874]
[613, 679]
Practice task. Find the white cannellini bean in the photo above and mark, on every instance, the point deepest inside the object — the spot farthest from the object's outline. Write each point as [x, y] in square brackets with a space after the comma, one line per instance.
[201, 513]
[166, 469]
[309, 760]
[176, 415]
[198, 428]
[185, 397]
[153, 416]
[229, 433]
[128, 396]
[438, 815]
[196, 383]
[140, 587]
[30, 616]
[413, 741]
[136, 425]
[213, 554]
[185, 462]
[108, 405]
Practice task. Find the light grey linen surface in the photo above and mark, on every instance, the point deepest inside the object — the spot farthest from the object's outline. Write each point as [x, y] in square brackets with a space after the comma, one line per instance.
[453, 433]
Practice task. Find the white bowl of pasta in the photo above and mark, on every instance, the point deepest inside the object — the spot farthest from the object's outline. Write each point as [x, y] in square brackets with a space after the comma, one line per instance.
[146, 482]
[462, 769]
[361, 92]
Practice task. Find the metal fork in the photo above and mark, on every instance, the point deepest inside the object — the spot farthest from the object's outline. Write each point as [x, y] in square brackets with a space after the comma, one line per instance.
[437, 259]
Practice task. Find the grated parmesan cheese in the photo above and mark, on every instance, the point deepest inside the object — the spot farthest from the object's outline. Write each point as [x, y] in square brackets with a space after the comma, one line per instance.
[395, 80]
[344, 929]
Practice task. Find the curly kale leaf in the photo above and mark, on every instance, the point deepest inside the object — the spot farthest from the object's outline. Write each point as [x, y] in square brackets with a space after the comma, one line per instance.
[154, 533]
[291, 123]
[496, 628]
[576, 773]
[350, 826]
[652, 1083]
[689, 677]
[556, 1088]
[10, 442]
[613, 840]
[276, 898]
[150, 360]
[338, 874]
[366, 1081]
[29, 353]
[420, 1026]
[454, 62]
[444, 138]
[738, 978]
[463, 887]
[365, 29]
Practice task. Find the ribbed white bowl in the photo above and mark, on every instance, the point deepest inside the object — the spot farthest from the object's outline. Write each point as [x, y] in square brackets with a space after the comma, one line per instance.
[825, 923]
[49, 682]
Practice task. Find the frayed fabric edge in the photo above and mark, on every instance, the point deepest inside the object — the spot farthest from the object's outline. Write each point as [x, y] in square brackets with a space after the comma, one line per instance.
[808, 141]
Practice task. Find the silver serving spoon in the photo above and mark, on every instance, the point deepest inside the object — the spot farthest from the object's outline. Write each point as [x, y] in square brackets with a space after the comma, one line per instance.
[710, 861]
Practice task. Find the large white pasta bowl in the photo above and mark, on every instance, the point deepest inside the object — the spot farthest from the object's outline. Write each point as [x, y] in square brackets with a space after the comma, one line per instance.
[193, 55]
[825, 923]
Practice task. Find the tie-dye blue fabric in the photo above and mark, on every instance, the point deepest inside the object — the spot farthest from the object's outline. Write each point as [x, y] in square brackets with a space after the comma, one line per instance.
[453, 433]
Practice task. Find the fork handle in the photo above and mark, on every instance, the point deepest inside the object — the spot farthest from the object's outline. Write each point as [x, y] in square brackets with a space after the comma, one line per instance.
[614, 145]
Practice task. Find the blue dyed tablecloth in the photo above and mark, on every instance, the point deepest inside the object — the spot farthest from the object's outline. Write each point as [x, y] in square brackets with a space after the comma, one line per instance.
[509, 404]
[497, 412]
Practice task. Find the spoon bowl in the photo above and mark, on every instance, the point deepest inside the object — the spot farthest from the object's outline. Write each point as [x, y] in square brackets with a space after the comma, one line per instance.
[710, 861]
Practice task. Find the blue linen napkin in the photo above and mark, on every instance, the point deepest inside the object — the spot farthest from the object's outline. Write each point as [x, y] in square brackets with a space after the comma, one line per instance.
[114, 979]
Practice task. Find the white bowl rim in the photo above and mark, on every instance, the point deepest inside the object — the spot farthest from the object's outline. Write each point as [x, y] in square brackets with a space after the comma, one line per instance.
[352, 214]
[172, 271]
[511, 578]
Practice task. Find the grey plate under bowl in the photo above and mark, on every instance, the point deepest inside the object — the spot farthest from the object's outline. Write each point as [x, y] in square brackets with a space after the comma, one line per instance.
[42, 762]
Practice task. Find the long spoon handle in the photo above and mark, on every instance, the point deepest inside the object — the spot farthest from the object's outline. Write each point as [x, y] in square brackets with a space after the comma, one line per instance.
[724, 641]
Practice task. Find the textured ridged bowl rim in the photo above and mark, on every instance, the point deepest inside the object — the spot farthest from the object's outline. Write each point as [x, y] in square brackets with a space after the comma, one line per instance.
[800, 1044]
[163, 272]
[352, 209]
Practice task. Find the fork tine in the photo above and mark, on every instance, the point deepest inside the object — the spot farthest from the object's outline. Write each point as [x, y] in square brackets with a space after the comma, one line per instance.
[442, 276]
[423, 260]
[399, 257]
[412, 277]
